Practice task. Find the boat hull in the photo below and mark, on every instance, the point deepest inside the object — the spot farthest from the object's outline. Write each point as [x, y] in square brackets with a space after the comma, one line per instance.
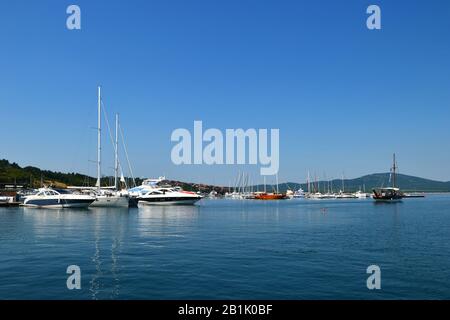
[387, 195]
[111, 202]
[58, 203]
[167, 201]
[271, 197]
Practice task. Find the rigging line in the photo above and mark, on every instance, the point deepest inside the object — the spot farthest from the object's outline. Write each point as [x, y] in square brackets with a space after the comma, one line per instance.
[110, 134]
[126, 155]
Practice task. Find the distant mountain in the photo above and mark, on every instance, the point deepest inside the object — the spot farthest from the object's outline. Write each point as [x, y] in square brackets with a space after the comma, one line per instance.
[368, 182]
[12, 173]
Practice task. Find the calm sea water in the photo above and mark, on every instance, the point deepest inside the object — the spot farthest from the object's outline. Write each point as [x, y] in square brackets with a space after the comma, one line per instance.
[228, 249]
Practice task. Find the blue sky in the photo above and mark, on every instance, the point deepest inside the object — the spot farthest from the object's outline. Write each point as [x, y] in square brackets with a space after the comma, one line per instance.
[344, 97]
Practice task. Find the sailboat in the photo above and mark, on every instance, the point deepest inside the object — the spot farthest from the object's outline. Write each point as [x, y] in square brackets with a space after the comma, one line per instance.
[389, 194]
[342, 194]
[109, 196]
[270, 196]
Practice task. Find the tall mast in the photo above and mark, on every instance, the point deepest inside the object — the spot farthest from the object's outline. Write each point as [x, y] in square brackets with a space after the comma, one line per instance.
[394, 169]
[277, 182]
[309, 184]
[99, 139]
[116, 154]
[316, 183]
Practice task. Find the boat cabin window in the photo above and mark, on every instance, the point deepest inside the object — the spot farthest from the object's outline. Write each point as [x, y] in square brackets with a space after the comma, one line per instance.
[155, 192]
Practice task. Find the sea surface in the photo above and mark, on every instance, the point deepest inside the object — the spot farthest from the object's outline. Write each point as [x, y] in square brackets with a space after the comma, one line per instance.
[230, 249]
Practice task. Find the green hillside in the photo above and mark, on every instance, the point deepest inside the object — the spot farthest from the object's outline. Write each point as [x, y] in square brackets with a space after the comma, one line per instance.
[12, 173]
[404, 182]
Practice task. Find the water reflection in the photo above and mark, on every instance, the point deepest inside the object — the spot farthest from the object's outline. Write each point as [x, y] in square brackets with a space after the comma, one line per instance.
[166, 220]
[228, 249]
[95, 281]
[109, 224]
[169, 212]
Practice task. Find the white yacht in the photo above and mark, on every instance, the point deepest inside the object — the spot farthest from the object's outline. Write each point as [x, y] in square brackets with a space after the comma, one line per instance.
[168, 196]
[146, 186]
[49, 198]
[290, 194]
[299, 193]
[342, 195]
[361, 195]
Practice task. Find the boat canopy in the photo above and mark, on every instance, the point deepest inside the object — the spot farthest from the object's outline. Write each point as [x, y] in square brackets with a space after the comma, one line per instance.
[389, 188]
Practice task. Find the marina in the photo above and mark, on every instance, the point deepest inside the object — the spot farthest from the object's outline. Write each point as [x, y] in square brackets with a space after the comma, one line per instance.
[242, 153]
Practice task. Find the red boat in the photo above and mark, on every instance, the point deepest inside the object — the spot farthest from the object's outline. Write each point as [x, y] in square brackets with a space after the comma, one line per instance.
[270, 196]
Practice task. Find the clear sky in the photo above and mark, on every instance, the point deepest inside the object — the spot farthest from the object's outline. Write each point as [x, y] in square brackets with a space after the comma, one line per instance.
[344, 97]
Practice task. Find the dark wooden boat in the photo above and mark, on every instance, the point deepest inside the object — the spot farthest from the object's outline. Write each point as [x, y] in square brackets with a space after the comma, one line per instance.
[390, 193]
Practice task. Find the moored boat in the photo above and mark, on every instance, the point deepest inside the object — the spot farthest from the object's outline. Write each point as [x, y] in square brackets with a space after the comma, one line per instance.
[110, 198]
[360, 195]
[389, 194]
[270, 196]
[299, 193]
[50, 198]
[168, 196]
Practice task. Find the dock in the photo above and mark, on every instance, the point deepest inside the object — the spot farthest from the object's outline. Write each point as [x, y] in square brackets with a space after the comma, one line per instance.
[9, 204]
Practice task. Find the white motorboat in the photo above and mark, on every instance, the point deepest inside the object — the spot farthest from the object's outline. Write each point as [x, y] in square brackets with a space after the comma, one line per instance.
[146, 186]
[50, 198]
[299, 193]
[342, 195]
[168, 196]
[289, 194]
[361, 195]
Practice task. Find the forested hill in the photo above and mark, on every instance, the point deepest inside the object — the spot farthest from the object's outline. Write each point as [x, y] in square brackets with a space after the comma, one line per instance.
[12, 173]
[368, 182]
